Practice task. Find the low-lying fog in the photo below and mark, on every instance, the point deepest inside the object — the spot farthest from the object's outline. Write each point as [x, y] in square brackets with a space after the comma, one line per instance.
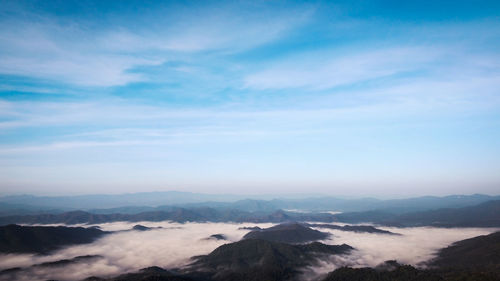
[173, 244]
[414, 246]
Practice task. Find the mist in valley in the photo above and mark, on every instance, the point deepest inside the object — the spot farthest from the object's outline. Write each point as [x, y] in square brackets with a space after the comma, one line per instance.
[173, 245]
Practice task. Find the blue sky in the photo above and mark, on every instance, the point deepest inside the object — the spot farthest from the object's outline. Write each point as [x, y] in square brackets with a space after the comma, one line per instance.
[348, 98]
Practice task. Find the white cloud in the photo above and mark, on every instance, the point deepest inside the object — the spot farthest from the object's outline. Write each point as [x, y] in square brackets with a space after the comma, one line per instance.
[415, 246]
[76, 52]
[324, 70]
[174, 244]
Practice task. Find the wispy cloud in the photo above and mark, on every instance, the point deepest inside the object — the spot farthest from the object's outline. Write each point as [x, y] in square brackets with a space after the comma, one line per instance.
[75, 52]
[293, 91]
[63, 53]
[326, 70]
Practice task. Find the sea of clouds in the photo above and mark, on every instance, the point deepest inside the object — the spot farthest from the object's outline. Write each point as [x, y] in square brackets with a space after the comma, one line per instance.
[415, 246]
[174, 244]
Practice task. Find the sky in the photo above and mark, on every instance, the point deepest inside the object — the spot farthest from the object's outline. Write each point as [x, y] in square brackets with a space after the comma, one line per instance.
[347, 98]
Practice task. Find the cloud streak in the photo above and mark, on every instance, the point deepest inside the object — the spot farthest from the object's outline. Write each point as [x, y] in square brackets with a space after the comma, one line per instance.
[76, 52]
[327, 70]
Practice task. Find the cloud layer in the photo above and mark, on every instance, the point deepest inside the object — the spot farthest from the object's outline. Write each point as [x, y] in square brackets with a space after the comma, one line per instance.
[174, 244]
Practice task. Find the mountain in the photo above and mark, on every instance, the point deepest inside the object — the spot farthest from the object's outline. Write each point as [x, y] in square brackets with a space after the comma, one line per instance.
[63, 262]
[287, 233]
[327, 203]
[483, 215]
[396, 272]
[153, 273]
[474, 259]
[73, 217]
[373, 216]
[19, 273]
[478, 252]
[140, 227]
[353, 228]
[217, 236]
[44, 239]
[417, 204]
[10, 209]
[117, 200]
[140, 200]
[134, 203]
[486, 214]
[173, 214]
[255, 259]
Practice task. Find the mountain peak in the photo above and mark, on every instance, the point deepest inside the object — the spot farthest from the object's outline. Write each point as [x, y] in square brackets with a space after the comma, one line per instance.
[287, 233]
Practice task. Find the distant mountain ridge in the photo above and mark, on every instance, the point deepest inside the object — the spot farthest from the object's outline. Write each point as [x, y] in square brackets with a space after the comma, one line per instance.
[158, 201]
[486, 214]
[139, 199]
[353, 228]
[174, 214]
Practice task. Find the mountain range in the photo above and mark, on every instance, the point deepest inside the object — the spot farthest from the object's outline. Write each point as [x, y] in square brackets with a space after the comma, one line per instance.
[172, 214]
[485, 214]
[159, 201]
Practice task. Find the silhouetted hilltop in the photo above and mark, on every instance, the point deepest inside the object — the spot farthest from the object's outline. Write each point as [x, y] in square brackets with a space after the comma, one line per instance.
[354, 228]
[287, 233]
[43, 239]
[217, 236]
[153, 273]
[478, 252]
[255, 259]
[140, 227]
[250, 228]
[396, 273]
[13, 273]
[65, 262]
